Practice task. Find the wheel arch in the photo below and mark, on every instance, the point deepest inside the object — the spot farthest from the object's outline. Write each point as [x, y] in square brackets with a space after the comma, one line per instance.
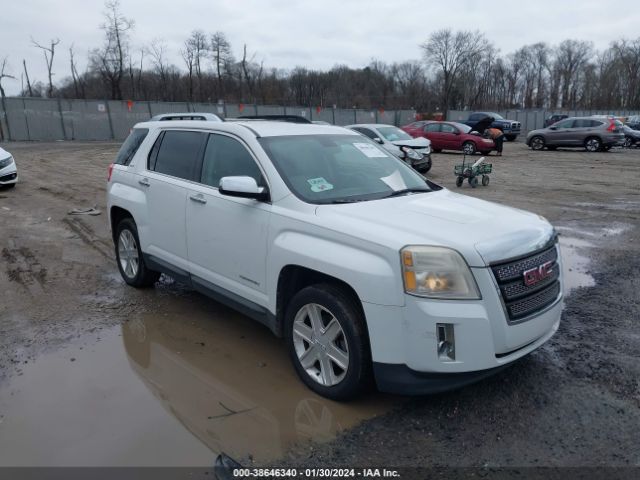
[116, 215]
[293, 278]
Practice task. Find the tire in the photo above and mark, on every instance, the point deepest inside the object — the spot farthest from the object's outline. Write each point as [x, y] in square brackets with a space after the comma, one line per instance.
[426, 168]
[592, 144]
[510, 138]
[537, 143]
[132, 267]
[459, 181]
[327, 375]
[628, 142]
[485, 180]
[469, 148]
[473, 181]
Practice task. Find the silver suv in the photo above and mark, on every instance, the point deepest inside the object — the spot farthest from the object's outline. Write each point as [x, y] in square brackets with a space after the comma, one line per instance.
[592, 133]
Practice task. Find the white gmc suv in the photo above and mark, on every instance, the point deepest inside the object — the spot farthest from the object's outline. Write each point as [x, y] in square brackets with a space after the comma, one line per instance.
[369, 271]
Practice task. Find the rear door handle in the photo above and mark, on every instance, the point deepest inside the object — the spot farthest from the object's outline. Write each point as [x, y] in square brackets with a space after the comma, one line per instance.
[199, 198]
[144, 182]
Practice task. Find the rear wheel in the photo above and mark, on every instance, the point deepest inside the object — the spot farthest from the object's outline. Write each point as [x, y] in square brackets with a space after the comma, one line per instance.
[485, 180]
[459, 181]
[327, 341]
[592, 144]
[473, 181]
[129, 256]
[537, 143]
[628, 142]
[469, 148]
[511, 138]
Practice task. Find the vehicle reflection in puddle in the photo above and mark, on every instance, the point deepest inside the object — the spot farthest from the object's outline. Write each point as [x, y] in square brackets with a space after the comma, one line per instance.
[213, 382]
[230, 383]
[575, 266]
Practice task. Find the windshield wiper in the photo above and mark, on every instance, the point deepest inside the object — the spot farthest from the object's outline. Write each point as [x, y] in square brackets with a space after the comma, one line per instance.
[344, 200]
[405, 191]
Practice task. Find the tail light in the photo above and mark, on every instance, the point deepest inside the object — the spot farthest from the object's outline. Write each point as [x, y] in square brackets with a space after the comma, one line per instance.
[612, 126]
[109, 172]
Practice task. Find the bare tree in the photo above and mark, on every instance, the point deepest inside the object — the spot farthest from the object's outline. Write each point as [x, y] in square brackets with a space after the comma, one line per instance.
[77, 87]
[110, 59]
[4, 74]
[188, 55]
[157, 52]
[222, 58]
[26, 74]
[571, 57]
[49, 53]
[451, 52]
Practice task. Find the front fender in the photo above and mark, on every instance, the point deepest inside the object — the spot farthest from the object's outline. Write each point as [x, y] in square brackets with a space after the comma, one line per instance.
[373, 276]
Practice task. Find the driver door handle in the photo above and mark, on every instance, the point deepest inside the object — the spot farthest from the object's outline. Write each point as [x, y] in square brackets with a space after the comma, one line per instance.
[144, 182]
[199, 198]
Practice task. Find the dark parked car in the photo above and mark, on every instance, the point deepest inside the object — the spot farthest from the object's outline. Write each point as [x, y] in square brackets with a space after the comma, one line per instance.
[510, 128]
[633, 122]
[631, 137]
[450, 136]
[592, 133]
[556, 117]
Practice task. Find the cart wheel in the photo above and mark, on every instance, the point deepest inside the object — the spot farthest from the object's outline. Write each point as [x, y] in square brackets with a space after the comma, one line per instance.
[473, 181]
[485, 180]
[459, 181]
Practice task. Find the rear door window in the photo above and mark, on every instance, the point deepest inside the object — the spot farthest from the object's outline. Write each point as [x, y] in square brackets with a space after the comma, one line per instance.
[178, 153]
[432, 127]
[131, 146]
[565, 124]
[448, 128]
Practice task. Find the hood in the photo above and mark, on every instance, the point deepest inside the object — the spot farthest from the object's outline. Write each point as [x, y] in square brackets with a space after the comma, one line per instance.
[483, 232]
[419, 142]
[4, 154]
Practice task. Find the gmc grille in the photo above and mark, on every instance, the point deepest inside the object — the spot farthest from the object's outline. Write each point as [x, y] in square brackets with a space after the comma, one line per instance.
[523, 300]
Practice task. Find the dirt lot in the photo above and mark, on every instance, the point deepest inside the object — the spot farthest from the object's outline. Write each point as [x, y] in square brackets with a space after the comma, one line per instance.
[90, 370]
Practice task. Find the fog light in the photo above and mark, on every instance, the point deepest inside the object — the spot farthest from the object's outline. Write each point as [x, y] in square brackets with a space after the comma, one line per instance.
[446, 342]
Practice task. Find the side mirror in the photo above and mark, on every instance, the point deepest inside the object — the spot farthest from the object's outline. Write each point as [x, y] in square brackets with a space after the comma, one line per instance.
[241, 186]
[378, 139]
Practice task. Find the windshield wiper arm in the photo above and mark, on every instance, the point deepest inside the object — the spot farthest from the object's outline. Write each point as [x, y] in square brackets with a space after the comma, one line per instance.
[405, 191]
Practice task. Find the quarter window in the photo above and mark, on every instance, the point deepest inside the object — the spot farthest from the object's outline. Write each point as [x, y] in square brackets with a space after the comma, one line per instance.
[178, 153]
[131, 145]
[227, 157]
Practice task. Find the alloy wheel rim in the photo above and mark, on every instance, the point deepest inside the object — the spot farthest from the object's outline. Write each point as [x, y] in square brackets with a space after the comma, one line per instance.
[592, 145]
[468, 149]
[320, 344]
[537, 143]
[128, 254]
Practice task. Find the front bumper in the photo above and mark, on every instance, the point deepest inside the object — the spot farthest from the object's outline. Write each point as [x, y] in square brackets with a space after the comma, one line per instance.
[404, 340]
[9, 175]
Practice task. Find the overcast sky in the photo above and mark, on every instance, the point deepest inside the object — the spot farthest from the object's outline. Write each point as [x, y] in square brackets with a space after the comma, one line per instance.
[318, 34]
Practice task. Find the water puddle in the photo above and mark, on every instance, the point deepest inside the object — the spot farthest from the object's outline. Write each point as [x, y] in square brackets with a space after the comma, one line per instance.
[168, 390]
[575, 265]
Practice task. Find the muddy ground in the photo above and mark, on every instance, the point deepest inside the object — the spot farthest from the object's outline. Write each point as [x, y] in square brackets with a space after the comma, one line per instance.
[90, 369]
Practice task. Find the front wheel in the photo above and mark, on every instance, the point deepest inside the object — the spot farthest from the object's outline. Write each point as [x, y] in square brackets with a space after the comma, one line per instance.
[328, 342]
[473, 181]
[628, 142]
[129, 256]
[469, 148]
[537, 143]
[485, 180]
[592, 144]
[459, 181]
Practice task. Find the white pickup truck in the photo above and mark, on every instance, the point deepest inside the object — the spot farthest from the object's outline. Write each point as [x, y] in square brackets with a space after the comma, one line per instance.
[371, 272]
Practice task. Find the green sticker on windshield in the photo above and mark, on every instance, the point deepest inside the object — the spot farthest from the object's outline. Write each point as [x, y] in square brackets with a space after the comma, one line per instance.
[319, 184]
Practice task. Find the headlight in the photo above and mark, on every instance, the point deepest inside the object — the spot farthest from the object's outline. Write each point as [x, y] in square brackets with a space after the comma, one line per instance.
[5, 162]
[427, 150]
[437, 272]
[487, 140]
[411, 153]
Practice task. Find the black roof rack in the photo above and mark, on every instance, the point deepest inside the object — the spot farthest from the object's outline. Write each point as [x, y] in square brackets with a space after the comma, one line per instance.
[277, 118]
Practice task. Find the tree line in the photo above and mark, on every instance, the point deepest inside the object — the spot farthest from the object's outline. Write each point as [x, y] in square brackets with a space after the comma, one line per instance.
[458, 70]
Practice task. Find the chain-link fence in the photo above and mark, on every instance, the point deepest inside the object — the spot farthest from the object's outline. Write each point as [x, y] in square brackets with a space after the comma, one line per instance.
[63, 119]
[533, 119]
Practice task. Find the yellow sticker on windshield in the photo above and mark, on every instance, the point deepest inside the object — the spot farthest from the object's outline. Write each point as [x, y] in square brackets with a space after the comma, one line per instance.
[319, 184]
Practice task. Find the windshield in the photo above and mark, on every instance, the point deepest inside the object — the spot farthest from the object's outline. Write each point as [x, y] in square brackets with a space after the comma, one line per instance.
[462, 127]
[393, 133]
[339, 168]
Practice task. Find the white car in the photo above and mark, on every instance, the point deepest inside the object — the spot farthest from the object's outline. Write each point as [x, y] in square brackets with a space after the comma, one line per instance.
[415, 151]
[8, 170]
[368, 270]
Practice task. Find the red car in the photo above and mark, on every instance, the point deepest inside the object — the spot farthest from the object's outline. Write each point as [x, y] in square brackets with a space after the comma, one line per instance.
[450, 136]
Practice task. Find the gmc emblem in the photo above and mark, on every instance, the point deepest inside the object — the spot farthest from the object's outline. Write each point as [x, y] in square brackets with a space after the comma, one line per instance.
[537, 274]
